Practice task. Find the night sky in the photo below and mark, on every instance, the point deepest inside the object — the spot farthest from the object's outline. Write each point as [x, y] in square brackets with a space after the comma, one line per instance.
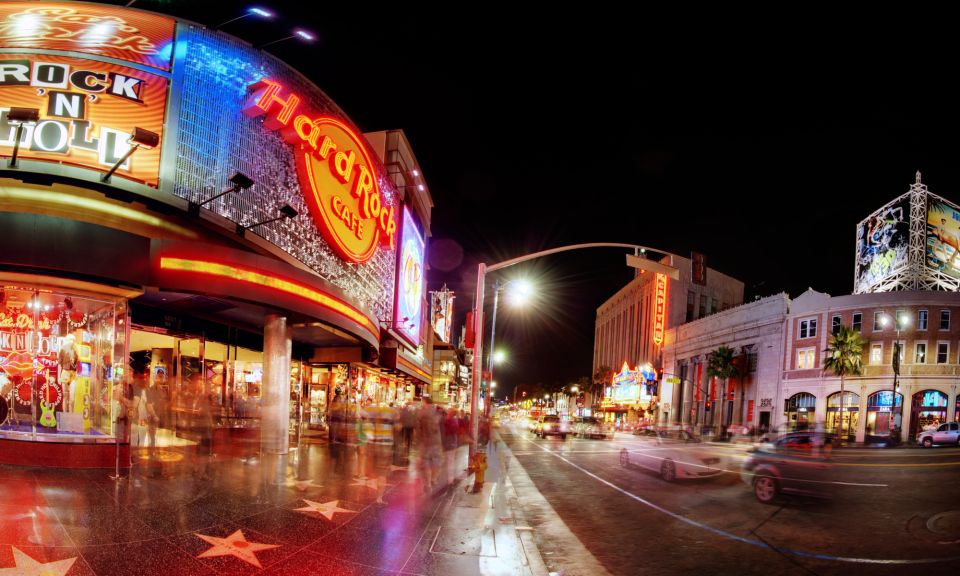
[759, 144]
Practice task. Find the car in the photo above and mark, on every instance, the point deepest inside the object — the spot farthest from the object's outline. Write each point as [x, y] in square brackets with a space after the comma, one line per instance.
[676, 454]
[648, 430]
[797, 463]
[589, 427]
[947, 433]
[551, 425]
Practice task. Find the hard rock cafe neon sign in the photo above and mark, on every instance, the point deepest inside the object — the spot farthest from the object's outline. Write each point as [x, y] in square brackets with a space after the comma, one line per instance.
[335, 171]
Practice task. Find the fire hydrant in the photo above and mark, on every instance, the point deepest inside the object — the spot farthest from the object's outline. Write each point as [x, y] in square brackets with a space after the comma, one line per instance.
[479, 467]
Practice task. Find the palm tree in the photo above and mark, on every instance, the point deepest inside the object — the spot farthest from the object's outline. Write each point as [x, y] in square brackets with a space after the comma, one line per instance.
[843, 357]
[721, 365]
[602, 377]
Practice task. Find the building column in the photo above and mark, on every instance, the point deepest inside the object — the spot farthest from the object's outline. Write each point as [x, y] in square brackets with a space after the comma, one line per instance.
[906, 411]
[862, 415]
[952, 404]
[275, 392]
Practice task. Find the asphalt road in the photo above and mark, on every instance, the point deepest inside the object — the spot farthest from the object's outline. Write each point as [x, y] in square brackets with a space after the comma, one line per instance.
[888, 512]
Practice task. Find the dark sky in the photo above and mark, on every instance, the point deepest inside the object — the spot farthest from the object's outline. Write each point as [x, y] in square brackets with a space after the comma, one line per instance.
[758, 139]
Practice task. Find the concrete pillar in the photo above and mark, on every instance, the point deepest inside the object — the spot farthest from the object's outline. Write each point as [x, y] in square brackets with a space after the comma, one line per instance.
[952, 405]
[275, 392]
[862, 416]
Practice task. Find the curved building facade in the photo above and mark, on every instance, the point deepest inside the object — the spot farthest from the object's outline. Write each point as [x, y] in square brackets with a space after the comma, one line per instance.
[188, 219]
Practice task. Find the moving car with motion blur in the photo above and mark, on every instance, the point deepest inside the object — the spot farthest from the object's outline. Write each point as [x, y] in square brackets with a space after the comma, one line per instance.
[551, 425]
[676, 454]
[589, 427]
[797, 463]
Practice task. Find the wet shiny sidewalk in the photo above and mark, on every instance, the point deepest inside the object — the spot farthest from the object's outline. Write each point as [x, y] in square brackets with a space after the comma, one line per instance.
[308, 512]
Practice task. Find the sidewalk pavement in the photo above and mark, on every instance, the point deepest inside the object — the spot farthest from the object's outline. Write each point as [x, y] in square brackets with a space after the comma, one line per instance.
[308, 512]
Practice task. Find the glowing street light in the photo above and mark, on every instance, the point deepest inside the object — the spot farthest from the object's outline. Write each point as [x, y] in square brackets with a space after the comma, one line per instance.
[901, 321]
[639, 260]
[297, 33]
[519, 286]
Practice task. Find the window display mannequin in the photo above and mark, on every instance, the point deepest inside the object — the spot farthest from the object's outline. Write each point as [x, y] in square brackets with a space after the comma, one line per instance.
[69, 363]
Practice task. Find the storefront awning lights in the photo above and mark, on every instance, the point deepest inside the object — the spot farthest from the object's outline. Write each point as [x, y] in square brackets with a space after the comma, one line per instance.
[268, 281]
[80, 203]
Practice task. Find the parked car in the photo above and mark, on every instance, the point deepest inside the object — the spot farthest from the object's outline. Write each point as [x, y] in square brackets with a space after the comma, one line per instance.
[676, 454]
[589, 427]
[551, 425]
[947, 433]
[647, 430]
[796, 463]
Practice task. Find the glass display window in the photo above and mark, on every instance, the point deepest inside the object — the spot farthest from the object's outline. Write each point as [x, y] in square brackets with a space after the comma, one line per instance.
[61, 358]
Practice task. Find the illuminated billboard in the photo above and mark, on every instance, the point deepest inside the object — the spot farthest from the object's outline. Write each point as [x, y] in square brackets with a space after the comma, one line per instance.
[882, 244]
[441, 315]
[87, 111]
[128, 35]
[410, 282]
[943, 236]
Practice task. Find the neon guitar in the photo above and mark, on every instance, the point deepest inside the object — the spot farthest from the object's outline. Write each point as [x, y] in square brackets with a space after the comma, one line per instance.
[47, 418]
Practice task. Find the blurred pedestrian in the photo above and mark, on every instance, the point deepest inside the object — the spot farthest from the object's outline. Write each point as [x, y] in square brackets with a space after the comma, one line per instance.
[451, 439]
[409, 422]
[429, 444]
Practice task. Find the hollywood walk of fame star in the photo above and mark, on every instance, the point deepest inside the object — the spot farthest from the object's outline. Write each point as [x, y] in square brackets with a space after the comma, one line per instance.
[368, 482]
[24, 565]
[326, 509]
[237, 545]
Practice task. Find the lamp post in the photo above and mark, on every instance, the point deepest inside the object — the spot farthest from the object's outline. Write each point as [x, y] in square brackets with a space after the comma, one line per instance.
[898, 322]
[483, 269]
[493, 356]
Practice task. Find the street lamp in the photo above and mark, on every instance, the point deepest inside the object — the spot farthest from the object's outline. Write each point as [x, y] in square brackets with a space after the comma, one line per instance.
[899, 322]
[523, 290]
[482, 269]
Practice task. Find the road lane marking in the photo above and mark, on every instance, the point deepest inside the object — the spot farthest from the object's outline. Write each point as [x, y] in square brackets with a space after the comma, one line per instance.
[742, 539]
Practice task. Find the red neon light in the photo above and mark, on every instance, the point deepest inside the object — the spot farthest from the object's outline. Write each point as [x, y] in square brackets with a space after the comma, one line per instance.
[277, 283]
[660, 313]
[336, 174]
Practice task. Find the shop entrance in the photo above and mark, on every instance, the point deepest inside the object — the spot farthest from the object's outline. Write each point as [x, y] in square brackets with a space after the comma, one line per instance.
[171, 397]
[851, 413]
[801, 410]
[880, 415]
[928, 411]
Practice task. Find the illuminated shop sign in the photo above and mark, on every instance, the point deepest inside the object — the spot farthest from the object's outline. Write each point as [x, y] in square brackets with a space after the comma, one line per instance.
[335, 171]
[660, 312]
[410, 282]
[128, 35]
[87, 111]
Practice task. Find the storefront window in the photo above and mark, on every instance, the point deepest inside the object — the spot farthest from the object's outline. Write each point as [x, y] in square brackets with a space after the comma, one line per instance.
[880, 413]
[61, 359]
[928, 410]
[800, 410]
[851, 412]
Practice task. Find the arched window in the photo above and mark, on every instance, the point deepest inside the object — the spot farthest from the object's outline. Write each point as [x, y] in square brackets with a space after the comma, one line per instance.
[851, 412]
[800, 410]
[880, 414]
[928, 410]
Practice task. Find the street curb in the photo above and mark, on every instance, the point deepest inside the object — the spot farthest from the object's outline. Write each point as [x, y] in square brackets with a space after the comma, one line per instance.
[526, 497]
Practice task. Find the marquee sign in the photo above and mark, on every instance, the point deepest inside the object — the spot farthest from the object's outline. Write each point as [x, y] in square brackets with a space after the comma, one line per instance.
[87, 111]
[114, 32]
[335, 171]
[660, 310]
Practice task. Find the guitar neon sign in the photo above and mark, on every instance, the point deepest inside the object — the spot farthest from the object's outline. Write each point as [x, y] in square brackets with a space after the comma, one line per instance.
[335, 171]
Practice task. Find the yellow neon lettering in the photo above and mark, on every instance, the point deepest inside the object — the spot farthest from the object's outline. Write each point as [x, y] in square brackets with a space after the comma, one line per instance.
[325, 147]
[342, 165]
